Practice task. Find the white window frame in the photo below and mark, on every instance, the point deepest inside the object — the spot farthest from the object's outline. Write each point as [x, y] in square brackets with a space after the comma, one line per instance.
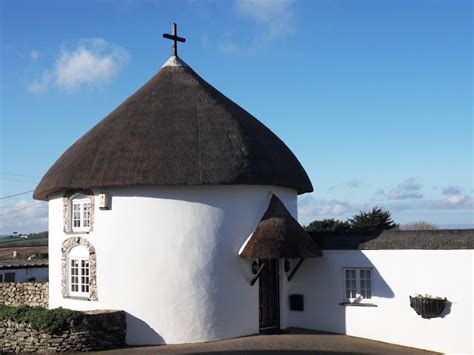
[363, 291]
[82, 278]
[84, 207]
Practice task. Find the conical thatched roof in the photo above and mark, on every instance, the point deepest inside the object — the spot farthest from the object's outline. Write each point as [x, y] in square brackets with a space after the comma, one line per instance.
[279, 235]
[176, 130]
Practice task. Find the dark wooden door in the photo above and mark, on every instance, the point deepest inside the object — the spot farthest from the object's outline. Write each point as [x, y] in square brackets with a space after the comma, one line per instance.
[269, 295]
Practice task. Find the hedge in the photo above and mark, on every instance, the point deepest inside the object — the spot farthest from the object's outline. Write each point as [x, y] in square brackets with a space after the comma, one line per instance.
[52, 321]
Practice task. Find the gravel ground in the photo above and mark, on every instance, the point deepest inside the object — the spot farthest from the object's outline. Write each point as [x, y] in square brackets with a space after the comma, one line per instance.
[293, 341]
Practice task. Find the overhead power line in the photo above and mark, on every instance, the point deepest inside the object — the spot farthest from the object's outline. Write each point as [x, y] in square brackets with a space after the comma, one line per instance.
[22, 175]
[16, 180]
[21, 209]
[18, 194]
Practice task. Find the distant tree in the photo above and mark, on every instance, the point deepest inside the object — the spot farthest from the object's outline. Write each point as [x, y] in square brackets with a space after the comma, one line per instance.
[373, 222]
[329, 226]
[419, 226]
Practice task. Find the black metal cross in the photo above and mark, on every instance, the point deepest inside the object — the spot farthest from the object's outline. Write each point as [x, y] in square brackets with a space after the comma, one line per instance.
[174, 37]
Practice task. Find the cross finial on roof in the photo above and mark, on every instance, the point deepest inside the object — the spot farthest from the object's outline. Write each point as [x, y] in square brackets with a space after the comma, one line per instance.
[174, 37]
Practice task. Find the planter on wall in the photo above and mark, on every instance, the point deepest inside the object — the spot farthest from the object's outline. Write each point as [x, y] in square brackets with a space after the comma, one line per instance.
[427, 306]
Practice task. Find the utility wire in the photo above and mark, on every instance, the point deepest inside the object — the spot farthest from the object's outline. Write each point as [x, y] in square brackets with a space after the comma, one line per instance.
[16, 180]
[3, 173]
[21, 209]
[18, 194]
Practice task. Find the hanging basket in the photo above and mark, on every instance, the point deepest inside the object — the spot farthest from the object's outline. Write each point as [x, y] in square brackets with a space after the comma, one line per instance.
[427, 306]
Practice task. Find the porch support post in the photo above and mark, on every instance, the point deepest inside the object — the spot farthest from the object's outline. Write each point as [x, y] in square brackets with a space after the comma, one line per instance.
[257, 275]
[293, 272]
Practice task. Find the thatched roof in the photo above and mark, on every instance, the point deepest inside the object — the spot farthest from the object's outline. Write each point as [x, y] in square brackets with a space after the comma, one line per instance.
[279, 235]
[176, 130]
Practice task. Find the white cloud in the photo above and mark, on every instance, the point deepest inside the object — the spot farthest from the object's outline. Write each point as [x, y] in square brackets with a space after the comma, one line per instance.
[451, 190]
[91, 62]
[407, 189]
[33, 218]
[273, 19]
[277, 16]
[308, 206]
[458, 201]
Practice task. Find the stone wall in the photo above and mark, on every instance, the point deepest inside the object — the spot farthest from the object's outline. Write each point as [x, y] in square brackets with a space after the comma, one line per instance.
[105, 330]
[24, 293]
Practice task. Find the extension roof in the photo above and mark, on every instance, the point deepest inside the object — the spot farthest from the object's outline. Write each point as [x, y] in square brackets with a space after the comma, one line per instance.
[176, 130]
[279, 235]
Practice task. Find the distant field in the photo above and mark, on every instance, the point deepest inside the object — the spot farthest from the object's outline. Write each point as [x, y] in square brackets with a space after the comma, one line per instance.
[6, 252]
[14, 242]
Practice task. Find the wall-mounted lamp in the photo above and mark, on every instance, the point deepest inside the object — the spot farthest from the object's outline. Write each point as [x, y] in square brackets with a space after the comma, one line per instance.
[287, 265]
[103, 201]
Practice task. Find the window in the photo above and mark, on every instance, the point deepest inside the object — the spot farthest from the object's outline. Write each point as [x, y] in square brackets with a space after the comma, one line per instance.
[80, 213]
[78, 277]
[78, 272]
[7, 276]
[357, 284]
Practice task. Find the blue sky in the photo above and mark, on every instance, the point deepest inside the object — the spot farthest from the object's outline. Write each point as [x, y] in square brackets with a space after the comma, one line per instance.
[373, 97]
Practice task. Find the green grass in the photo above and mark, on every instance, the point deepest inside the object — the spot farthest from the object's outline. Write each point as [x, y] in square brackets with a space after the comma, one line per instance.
[17, 242]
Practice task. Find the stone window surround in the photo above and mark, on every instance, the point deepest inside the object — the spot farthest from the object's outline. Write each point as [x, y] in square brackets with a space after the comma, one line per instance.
[67, 246]
[67, 198]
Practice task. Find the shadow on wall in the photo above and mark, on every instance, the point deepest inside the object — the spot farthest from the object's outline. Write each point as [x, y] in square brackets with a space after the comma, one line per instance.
[141, 332]
[446, 310]
[322, 281]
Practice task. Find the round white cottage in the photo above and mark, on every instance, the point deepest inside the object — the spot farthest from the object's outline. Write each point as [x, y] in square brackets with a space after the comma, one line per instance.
[149, 209]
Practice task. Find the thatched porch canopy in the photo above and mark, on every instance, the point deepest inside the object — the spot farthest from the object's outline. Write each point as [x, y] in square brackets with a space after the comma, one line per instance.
[279, 235]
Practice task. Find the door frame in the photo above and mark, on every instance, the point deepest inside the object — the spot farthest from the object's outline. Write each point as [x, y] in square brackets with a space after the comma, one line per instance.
[276, 306]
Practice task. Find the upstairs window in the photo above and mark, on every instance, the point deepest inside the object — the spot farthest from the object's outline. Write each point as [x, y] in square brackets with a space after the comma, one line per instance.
[80, 213]
[357, 284]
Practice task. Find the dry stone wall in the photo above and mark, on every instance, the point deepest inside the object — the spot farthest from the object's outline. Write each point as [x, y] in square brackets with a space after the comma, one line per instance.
[24, 293]
[105, 330]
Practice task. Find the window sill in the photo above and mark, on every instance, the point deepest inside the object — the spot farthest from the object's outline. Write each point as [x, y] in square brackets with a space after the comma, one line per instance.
[349, 304]
[78, 298]
[77, 232]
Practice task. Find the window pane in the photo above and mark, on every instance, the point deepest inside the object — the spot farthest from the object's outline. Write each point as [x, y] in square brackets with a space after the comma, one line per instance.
[86, 214]
[1, 277]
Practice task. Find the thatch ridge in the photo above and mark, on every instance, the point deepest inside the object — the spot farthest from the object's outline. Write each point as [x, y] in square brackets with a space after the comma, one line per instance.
[176, 130]
[279, 235]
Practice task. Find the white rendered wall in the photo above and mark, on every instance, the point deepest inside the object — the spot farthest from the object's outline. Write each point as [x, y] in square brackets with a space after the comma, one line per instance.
[397, 274]
[168, 256]
[23, 275]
